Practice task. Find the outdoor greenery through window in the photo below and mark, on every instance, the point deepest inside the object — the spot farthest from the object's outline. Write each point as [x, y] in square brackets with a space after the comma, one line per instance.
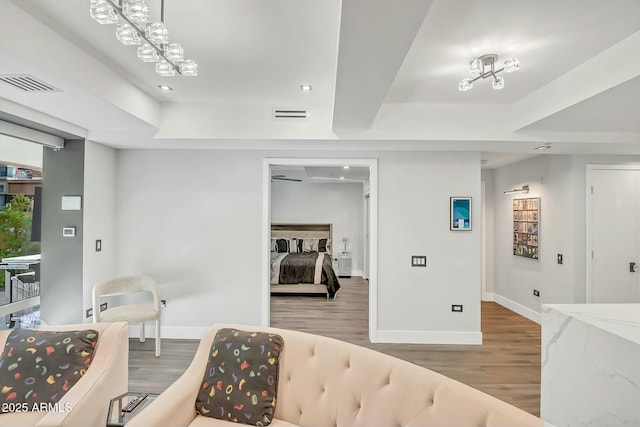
[15, 228]
[16, 221]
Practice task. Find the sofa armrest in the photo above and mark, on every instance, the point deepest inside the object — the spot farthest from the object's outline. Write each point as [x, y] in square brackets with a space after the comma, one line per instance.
[106, 378]
[176, 406]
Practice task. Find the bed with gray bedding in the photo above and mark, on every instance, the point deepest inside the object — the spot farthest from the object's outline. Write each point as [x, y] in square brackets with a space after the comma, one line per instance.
[303, 268]
[301, 261]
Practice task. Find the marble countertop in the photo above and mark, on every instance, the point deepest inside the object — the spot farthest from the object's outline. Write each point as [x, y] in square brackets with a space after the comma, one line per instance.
[619, 319]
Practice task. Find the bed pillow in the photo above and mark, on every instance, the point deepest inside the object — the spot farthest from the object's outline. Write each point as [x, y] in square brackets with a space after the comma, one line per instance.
[274, 245]
[293, 245]
[282, 245]
[241, 379]
[41, 366]
[322, 245]
[310, 245]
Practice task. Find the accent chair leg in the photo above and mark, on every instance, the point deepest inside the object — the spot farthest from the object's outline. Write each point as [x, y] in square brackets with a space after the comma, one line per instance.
[142, 332]
[158, 337]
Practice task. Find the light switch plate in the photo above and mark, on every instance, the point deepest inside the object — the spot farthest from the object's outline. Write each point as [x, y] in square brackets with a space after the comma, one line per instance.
[68, 232]
[418, 261]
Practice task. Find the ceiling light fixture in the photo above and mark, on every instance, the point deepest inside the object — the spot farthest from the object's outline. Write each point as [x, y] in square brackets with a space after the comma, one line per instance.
[165, 87]
[345, 167]
[485, 66]
[132, 17]
[543, 147]
[305, 88]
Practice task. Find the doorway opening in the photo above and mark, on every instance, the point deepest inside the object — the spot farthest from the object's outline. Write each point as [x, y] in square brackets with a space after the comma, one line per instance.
[269, 164]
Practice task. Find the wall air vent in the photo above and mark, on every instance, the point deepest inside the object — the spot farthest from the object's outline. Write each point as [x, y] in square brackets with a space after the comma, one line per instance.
[27, 83]
[290, 114]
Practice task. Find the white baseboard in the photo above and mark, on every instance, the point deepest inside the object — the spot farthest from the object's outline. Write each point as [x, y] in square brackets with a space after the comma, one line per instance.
[519, 308]
[488, 296]
[429, 337]
[169, 332]
[357, 273]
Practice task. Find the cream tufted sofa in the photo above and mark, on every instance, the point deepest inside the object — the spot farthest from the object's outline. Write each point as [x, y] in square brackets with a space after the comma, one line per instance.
[325, 382]
[88, 399]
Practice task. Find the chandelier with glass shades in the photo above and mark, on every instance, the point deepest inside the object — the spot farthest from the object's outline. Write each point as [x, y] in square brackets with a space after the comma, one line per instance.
[152, 38]
[484, 67]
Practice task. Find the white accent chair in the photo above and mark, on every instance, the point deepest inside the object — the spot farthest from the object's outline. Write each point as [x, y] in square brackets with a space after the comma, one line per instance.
[132, 313]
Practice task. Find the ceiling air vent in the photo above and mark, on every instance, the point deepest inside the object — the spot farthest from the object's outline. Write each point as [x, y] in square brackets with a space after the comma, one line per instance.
[290, 114]
[27, 83]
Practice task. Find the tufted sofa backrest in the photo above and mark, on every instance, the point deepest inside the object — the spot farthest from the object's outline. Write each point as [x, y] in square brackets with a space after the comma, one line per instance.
[326, 382]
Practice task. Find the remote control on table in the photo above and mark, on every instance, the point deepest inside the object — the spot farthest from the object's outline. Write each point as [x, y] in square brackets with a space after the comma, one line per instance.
[134, 403]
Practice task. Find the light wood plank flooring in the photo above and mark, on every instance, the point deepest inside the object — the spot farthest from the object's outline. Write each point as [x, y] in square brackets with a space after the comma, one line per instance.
[506, 365]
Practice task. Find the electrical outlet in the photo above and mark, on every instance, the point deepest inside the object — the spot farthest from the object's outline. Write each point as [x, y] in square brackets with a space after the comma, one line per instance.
[98, 245]
[418, 261]
[89, 312]
[163, 303]
[560, 258]
[456, 308]
[103, 306]
[536, 293]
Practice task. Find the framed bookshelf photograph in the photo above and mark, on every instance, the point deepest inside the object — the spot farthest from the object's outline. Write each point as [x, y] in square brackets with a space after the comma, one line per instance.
[526, 214]
[460, 214]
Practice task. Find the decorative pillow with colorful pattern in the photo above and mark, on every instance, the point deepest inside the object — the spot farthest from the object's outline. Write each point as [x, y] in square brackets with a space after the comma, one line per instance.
[41, 366]
[241, 380]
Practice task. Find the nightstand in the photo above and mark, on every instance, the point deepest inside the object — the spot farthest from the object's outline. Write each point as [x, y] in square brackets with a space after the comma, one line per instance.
[344, 264]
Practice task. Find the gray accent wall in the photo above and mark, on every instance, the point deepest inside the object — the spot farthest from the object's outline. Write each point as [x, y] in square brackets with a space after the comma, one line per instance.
[62, 257]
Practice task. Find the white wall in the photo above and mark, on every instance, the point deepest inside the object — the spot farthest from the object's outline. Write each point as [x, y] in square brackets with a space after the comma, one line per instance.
[193, 220]
[413, 216]
[339, 204]
[99, 207]
[560, 181]
[551, 179]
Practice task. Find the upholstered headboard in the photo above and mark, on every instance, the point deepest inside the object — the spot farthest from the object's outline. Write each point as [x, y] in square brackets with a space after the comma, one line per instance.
[303, 231]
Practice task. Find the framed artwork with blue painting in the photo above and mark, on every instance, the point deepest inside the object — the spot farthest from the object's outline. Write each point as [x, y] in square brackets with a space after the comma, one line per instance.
[460, 214]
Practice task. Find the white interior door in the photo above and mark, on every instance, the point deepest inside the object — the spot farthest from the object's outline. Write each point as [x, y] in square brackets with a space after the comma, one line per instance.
[614, 236]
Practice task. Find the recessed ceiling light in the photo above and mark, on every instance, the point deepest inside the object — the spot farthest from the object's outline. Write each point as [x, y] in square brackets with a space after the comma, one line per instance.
[305, 88]
[342, 177]
[543, 147]
[165, 87]
[345, 167]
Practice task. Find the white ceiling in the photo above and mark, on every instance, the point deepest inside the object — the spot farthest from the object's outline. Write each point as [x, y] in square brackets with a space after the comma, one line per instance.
[384, 75]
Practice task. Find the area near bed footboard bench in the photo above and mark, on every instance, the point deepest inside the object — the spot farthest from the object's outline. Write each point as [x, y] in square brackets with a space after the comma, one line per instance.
[301, 261]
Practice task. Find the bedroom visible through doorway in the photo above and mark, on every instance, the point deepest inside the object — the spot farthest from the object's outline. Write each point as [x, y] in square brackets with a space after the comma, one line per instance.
[318, 233]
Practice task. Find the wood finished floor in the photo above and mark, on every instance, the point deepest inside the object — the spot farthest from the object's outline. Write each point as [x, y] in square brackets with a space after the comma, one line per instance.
[506, 365]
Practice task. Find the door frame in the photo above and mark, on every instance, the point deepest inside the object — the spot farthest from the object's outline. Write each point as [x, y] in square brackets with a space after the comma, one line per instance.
[372, 164]
[484, 296]
[589, 225]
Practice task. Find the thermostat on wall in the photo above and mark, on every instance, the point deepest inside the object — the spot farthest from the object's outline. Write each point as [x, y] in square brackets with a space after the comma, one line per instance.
[68, 232]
